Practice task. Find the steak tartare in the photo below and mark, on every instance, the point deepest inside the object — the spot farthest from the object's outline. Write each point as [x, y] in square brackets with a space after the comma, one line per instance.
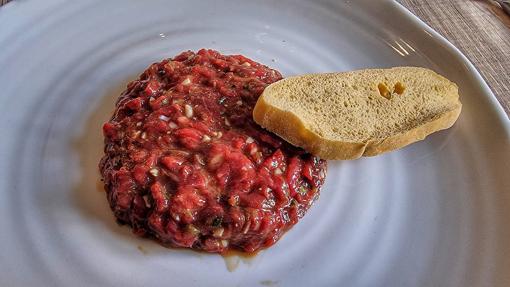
[186, 164]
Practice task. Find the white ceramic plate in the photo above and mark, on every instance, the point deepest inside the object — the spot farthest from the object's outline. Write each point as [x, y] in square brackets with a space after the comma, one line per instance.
[433, 214]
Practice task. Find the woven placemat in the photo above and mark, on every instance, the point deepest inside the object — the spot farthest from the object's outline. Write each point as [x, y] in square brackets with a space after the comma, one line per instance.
[480, 29]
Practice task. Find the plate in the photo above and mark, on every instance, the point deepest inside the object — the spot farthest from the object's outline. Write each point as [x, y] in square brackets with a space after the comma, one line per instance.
[432, 214]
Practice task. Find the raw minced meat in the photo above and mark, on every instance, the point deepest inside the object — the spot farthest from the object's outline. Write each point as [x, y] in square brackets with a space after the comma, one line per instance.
[186, 164]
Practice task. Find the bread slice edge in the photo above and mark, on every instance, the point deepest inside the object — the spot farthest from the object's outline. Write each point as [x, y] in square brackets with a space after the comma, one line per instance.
[271, 117]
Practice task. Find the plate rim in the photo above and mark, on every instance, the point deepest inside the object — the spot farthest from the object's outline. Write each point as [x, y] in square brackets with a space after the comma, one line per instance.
[495, 104]
[492, 104]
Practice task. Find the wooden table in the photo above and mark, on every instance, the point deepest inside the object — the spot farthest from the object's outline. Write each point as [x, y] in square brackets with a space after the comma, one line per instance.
[479, 28]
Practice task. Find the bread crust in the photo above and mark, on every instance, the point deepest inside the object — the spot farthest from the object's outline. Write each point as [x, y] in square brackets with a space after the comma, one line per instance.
[291, 127]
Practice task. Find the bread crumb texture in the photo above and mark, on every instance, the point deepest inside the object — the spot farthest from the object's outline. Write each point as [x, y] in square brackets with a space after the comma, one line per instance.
[361, 107]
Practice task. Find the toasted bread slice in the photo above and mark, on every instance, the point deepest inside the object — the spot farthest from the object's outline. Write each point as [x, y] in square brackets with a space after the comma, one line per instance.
[360, 113]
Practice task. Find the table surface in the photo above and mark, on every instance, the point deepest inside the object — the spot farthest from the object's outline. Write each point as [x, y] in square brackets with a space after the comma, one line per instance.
[479, 28]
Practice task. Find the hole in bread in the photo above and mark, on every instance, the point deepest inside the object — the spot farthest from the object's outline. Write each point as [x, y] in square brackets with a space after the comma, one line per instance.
[399, 88]
[346, 104]
[384, 91]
